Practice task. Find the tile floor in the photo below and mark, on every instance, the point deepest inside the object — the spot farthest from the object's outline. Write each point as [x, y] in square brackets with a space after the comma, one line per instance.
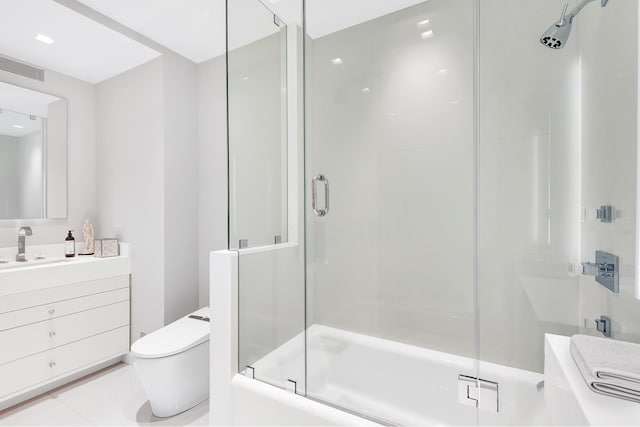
[111, 397]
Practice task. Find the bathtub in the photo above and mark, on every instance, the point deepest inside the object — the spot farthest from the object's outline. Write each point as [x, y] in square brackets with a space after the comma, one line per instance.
[394, 383]
[387, 381]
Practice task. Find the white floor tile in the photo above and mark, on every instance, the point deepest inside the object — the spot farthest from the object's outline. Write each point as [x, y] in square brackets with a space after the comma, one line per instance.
[112, 397]
[101, 387]
[45, 411]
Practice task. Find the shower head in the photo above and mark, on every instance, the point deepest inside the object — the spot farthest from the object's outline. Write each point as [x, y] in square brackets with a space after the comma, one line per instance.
[558, 34]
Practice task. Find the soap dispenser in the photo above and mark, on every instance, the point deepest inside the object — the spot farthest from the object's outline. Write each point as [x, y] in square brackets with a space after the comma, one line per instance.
[70, 245]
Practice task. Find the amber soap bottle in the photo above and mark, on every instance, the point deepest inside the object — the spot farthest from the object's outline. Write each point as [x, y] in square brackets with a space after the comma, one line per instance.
[70, 246]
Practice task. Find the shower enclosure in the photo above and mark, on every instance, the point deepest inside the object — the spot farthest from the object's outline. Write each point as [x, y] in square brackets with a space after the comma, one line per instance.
[412, 188]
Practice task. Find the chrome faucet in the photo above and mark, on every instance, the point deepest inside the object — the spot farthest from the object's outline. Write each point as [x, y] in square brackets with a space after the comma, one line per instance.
[22, 233]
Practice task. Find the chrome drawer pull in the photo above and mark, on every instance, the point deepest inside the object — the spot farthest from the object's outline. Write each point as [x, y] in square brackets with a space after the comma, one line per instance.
[52, 310]
[52, 334]
[52, 364]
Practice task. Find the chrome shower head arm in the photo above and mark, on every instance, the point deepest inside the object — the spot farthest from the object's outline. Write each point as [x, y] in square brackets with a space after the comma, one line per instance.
[576, 10]
[562, 21]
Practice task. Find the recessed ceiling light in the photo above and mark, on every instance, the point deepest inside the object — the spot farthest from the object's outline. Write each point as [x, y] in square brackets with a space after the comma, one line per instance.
[423, 23]
[426, 35]
[245, 78]
[336, 61]
[44, 39]
[454, 102]
[18, 126]
[443, 71]
[365, 90]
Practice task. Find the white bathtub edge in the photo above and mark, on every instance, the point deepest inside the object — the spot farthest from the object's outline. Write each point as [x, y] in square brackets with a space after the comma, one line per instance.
[257, 403]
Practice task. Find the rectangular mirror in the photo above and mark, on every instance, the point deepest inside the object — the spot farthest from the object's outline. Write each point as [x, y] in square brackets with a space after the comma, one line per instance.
[33, 154]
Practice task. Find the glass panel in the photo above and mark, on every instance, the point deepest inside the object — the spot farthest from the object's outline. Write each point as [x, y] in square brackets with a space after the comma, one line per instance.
[389, 122]
[263, 114]
[257, 80]
[271, 315]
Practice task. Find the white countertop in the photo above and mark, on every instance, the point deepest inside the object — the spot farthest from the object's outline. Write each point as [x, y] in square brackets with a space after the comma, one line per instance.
[566, 389]
[33, 275]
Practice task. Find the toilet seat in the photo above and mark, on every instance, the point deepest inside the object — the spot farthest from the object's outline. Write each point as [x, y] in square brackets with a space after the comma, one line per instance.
[174, 338]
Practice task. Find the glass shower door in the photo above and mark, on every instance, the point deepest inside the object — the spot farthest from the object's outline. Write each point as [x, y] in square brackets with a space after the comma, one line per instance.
[389, 181]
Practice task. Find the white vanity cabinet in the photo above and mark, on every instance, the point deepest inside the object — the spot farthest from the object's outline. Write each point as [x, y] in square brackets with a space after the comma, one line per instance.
[70, 320]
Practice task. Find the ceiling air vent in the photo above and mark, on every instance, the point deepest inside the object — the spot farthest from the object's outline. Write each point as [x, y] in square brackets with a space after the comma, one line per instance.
[21, 69]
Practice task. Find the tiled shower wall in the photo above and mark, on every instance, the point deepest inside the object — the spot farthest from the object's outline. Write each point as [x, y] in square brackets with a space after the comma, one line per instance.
[609, 55]
[394, 258]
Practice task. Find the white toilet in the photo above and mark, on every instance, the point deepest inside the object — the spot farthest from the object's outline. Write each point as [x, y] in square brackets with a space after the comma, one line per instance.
[173, 364]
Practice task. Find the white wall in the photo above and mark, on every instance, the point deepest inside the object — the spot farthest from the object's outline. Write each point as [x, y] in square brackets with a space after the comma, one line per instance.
[130, 167]
[8, 177]
[212, 167]
[609, 135]
[180, 187]
[147, 184]
[81, 155]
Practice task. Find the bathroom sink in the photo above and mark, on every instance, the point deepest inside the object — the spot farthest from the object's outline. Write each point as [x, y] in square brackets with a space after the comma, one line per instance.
[31, 263]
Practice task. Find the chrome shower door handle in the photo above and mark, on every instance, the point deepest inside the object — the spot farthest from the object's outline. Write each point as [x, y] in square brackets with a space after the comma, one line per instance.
[320, 178]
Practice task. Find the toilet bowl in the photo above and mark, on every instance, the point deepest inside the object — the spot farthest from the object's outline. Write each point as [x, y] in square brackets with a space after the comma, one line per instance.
[173, 364]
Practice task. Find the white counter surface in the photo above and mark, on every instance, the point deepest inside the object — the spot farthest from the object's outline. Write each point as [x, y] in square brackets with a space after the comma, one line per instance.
[55, 270]
[571, 401]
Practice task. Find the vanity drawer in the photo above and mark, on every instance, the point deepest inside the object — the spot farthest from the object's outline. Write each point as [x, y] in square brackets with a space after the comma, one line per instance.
[47, 365]
[57, 309]
[60, 293]
[37, 337]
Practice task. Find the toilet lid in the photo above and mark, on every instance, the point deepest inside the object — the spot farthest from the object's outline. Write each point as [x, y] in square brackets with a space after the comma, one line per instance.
[174, 338]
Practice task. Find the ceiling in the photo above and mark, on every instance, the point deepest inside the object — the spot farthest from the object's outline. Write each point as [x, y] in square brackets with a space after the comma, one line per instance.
[193, 28]
[87, 50]
[83, 48]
